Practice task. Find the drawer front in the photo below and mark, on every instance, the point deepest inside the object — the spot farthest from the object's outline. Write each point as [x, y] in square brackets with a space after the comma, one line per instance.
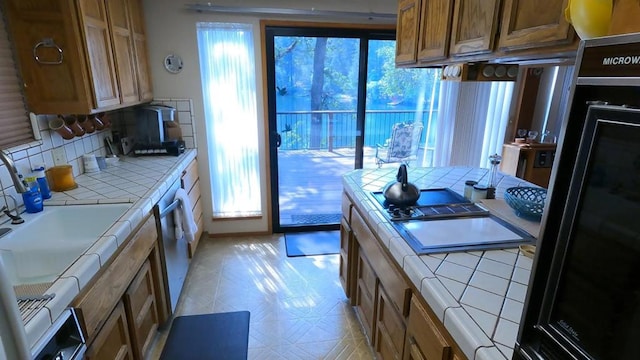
[190, 175]
[423, 334]
[194, 194]
[398, 290]
[197, 210]
[199, 219]
[346, 207]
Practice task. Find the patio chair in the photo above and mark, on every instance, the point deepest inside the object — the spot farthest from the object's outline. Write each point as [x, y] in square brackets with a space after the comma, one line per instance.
[402, 146]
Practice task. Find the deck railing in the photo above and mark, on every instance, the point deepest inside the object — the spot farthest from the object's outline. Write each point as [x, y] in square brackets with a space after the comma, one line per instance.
[327, 130]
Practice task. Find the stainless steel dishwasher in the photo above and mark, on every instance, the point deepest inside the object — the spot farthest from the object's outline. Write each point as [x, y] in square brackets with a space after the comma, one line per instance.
[173, 252]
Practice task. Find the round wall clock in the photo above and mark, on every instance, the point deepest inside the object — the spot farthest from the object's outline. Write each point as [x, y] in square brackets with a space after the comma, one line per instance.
[173, 63]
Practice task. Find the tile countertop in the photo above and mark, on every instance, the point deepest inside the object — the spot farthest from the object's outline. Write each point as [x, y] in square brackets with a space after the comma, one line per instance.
[478, 295]
[140, 181]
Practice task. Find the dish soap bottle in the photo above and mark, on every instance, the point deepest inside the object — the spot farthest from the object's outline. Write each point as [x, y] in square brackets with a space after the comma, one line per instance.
[32, 197]
[42, 182]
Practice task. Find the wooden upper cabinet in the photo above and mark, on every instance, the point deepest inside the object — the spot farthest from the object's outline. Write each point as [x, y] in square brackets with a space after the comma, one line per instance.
[122, 35]
[91, 54]
[407, 31]
[435, 29]
[529, 24]
[475, 23]
[56, 81]
[140, 47]
[101, 60]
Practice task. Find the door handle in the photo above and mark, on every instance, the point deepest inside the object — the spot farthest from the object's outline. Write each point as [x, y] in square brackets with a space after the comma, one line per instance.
[278, 139]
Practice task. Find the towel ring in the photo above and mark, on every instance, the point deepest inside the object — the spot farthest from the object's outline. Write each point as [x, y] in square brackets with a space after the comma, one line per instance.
[47, 43]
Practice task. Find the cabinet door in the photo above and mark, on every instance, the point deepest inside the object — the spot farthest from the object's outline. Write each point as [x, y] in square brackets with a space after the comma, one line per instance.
[407, 31]
[99, 53]
[140, 47]
[366, 295]
[390, 329]
[424, 340]
[475, 23]
[530, 23]
[435, 29]
[112, 342]
[50, 89]
[141, 309]
[346, 250]
[122, 37]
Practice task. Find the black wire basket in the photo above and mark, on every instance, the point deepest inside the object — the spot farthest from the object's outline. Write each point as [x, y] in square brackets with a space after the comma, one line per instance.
[528, 202]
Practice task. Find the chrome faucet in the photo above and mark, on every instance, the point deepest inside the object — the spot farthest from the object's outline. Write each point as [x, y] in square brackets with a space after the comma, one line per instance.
[20, 188]
[15, 219]
[13, 171]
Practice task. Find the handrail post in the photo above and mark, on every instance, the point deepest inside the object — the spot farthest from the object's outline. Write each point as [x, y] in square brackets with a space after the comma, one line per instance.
[330, 133]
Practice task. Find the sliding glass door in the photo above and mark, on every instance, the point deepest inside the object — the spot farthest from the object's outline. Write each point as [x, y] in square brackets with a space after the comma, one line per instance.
[333, 96]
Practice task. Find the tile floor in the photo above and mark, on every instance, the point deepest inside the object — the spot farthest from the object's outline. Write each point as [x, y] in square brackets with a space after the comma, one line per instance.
[298, 308]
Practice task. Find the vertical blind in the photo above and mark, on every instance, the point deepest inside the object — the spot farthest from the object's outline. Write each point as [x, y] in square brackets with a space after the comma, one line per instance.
[227, 64]
[15, 126]
[472, 122]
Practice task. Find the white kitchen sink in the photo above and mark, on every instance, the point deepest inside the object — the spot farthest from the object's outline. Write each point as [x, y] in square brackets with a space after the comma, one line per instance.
[48, 242]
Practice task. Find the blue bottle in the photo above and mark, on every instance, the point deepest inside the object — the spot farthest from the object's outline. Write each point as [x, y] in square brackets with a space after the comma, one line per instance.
[32, 197]
[42, 182]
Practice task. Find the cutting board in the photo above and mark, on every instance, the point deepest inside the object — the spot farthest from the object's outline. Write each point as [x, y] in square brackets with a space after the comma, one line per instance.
[460, 232]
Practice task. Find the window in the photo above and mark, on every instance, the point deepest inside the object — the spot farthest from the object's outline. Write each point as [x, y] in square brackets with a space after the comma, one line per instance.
[473, 121]
[14, 121]
[227, 65]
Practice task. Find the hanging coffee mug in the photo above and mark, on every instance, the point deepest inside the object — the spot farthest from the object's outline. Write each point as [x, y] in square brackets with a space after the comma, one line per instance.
[104, 117]
[58, 125]
[86, 124]
[72, 123]
[97, 122]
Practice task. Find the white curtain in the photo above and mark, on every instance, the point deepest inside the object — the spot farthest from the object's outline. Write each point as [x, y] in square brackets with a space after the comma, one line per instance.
[227, 65]
[472, 122]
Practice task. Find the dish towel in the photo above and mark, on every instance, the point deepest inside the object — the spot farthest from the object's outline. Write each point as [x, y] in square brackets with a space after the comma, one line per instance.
[183, 217]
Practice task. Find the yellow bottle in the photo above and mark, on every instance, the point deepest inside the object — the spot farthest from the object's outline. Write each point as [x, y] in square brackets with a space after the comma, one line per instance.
[590, 18]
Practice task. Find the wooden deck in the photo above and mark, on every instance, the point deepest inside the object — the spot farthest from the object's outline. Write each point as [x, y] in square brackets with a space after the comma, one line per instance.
[311, 184]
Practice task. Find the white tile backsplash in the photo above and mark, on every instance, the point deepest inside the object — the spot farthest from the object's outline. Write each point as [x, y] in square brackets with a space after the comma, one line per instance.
[38, 152]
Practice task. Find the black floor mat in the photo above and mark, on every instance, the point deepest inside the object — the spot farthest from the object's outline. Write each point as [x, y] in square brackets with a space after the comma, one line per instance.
[223, 336]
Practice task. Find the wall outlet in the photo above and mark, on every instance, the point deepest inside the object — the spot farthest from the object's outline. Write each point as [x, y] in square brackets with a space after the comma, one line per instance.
[59, 156]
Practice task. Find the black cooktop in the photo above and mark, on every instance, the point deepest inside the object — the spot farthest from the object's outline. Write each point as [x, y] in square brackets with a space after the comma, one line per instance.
[429, 197]
[432, 204]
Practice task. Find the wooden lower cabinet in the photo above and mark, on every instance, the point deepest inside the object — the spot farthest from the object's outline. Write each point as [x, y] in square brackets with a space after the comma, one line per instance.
[395, 318]
[423, 340]
[130, 288]
[390, 328]
[112, 342]
[142, 311]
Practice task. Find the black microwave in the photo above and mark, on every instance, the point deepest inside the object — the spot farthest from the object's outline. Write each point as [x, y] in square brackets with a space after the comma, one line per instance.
[583, 300]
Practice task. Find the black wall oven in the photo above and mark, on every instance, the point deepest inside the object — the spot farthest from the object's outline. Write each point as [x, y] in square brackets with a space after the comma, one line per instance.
[583, 300]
